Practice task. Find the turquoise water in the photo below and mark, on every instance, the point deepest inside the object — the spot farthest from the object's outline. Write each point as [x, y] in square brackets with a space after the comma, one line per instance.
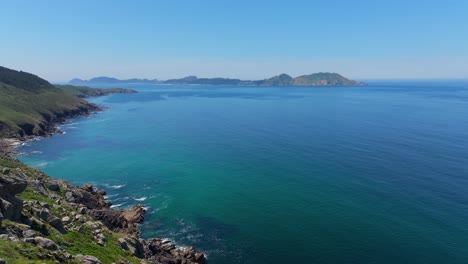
[375, 174]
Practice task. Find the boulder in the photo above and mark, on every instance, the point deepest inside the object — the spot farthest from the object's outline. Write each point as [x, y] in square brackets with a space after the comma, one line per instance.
[46, 243]
[66, 219]
[44, 214]
[85, 259]
[56, 223]
[53, 186]
[123, 243]
[29, 233]
[11, 206]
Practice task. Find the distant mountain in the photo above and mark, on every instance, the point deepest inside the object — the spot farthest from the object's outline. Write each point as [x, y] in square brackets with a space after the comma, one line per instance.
[322, 79]
[315, 79]
[109, 80]
[279, 80]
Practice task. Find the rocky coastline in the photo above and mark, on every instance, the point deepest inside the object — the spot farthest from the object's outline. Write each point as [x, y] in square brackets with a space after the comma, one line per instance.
[43, 219]
[51, 216]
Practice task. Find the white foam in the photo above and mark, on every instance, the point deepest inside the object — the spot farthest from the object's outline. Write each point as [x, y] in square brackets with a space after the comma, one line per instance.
[41, 164]
[141, 199]
[116, 205]
[110, 196]
[116, 186]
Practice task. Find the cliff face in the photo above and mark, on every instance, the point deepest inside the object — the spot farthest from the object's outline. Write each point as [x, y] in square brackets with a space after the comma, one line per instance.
[44, 219]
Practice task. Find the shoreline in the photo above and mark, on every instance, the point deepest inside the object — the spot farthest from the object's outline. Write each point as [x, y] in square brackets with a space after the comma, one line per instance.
[127, 220]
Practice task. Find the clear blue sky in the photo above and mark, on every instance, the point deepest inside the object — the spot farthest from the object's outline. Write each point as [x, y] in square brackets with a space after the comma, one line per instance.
[363, 39]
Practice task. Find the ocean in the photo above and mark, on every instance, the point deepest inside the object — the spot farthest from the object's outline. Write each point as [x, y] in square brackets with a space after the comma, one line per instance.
[375, 174]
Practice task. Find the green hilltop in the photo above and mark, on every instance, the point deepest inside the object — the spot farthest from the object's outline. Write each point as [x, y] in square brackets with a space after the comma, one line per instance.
[30, 105]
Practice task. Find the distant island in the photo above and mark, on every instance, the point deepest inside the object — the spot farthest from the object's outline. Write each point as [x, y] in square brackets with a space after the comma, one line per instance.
[315, 79]
[107, 80]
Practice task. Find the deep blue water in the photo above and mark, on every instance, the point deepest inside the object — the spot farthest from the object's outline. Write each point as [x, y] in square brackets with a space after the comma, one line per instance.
[375, 174]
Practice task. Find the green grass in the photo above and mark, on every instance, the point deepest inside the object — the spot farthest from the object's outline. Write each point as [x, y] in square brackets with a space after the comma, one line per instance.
[30, 195]
[82, 242]
[21, 253]
[28, 103]
[19, 107]
[85, 92]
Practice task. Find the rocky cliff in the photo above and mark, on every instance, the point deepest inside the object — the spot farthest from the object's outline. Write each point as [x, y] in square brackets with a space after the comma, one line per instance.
[46, 220]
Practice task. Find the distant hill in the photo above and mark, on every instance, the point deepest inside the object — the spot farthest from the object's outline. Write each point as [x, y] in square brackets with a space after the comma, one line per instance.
[194, 80]
[109, 80]
[279, 80]
[30, 105]
[315, 79]
[322, 79]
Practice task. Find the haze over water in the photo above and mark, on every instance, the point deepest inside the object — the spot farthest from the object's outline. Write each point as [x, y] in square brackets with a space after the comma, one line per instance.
[373, 174]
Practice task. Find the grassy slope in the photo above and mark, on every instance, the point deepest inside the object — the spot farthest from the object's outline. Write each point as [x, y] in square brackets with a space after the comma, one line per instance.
[21, 106]
[28, 103]
[85, 92]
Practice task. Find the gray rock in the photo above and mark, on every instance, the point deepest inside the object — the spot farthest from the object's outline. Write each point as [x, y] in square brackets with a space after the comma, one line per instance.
[37, 186]
[85, 259]
[4, 236]
[123, 243]
[66, 219]
[44, 214]
[69, 195]
[11, 207]
[101, 242]
[29, 240]
[82, 210]
[2, 261]
[53, 186]
[46, 243]
[56, 223]
[29, 233]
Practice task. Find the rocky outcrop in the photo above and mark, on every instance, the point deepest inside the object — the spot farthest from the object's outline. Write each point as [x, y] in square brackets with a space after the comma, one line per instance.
[122, 221]
[88, 196]
[10, 185]
[47, 210]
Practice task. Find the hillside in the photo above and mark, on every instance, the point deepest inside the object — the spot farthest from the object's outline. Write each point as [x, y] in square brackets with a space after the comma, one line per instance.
[86, 92]
[30, 105]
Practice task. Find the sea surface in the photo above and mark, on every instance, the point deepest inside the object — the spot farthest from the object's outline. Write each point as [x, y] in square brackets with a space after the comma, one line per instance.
[375, 174]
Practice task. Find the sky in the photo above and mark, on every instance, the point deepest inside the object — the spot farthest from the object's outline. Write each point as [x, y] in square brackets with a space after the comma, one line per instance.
[361, 39]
